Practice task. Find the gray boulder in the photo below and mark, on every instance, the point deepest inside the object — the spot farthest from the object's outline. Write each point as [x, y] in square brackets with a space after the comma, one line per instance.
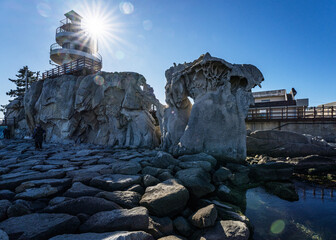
[168, 193]
[79, 190]
[37, 193]
[115, 181]
[286, 144]
[4, 205]
[39, 226]
[120, 235]
[227, 230]
[271, 171]
[116, 220]
[205, 217]
[126, 199]
[87, 205]
[221, 175]
[222, 95]
[200, 157]
[3, 235]
[159, 227]
[183, 226]
[196, 180]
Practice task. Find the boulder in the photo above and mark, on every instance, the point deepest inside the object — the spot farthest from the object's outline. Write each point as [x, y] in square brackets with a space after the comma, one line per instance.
[200, 157]
[168, 193]
[126, 199]
[116, 220]
[284, 190]
[196, 180]
[3, 235]
[149, 180]
[277, 143]
[120, 235]
[222, 95]
[183, 226]
[163, 160]
[6, 194]
[4, 205]
[115, 181]
[18, 209]
[39, 226]
[221, 175]
[37, 193]
[159, 227]
[79, 190]
[227, 230]
[87, 205]
[271, 171]
[103, 108]
[205, 217]
[172, 237]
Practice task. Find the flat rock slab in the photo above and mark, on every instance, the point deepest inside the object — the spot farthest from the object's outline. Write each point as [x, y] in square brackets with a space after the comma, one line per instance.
[78, 189]
[166, 198]
[115, 182]
[128, 168]
[120, 235]
[36, 193]
[4, 205]
[39, 226]
[127, 199]
[199, 157]
[12, 183]
[117, 220]
[87, 205]
[227, 230]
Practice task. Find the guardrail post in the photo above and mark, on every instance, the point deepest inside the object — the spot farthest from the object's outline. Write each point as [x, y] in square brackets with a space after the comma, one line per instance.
[322, 111]
[332, 111]
[314, 112]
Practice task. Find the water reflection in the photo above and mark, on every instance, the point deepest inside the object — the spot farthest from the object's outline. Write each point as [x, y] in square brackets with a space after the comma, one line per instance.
[312, 217]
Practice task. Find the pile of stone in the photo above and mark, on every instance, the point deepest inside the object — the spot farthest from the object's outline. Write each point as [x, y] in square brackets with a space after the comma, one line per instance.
[94, 192]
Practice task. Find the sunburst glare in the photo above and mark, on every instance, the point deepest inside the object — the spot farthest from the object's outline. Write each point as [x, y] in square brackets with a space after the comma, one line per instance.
[101, 22]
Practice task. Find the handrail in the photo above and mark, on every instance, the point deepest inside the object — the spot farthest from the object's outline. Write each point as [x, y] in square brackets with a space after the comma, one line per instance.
[56, 46]
[289, 113]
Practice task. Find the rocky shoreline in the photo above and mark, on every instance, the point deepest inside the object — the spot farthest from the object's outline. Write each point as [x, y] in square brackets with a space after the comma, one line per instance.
[86, 191]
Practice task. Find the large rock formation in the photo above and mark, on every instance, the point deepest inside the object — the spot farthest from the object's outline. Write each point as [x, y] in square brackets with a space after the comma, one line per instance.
[277, 143]
[104, 108]
[215, 124]
[15, 114]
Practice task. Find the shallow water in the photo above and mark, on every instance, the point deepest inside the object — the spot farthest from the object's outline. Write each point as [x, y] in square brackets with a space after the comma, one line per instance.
[312, 217]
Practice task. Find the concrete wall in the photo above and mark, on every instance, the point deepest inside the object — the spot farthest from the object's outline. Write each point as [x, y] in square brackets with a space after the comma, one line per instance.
[325, 129]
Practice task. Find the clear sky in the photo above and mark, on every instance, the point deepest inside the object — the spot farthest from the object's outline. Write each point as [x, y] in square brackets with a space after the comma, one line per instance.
[293, 42]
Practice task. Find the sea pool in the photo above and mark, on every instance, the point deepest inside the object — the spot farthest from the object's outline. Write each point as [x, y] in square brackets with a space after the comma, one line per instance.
[312, 217]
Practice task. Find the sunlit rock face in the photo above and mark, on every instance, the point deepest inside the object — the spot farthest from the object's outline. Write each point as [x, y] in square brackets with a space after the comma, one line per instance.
[105, 108]
[215, 124]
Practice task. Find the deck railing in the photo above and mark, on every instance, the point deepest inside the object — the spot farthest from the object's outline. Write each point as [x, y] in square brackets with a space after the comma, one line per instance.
[74, 67]
[291, 113]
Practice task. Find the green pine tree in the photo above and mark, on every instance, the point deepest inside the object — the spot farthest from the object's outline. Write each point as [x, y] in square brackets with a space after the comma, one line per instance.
[20, 82]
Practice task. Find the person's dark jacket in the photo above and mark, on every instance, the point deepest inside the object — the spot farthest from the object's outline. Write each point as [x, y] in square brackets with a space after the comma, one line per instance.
[38, 134]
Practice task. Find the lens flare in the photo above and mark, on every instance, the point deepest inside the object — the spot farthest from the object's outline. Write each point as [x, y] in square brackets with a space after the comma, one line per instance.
[278, 226]
[126, 7]
[99, 80]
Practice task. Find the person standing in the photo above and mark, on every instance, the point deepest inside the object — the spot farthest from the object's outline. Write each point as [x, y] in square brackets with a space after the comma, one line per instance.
[38, 136]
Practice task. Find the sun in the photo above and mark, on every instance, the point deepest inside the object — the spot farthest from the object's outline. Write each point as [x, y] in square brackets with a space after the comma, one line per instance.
[101, 22]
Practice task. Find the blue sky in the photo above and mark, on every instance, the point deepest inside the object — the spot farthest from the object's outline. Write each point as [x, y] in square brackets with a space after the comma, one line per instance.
[292, 42]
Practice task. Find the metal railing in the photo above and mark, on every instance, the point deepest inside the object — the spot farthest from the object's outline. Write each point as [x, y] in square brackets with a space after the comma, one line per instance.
[56, 46]
[74, 67]
[292, 113]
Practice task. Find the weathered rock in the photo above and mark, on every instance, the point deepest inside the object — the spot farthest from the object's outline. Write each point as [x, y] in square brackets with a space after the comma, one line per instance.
[127, 199]
[183, 227]
[205, 217]
[200, 157]
[159, 227]
[120, 235]
[153, 171]
[196, 180]
[115, 182]
[168, 193]
[232, 195]
[163, 160]
[36, 193]
[284, 190]
[4, 205]
[271, 172]
[115, 112]
[171, 237]
[39, 226]
[136, 188]
[120, 219]
[19, 208]
[6, 194]
[87, 205]
[79, 190]
[149, 180]
[227, 230]
[3, 235]
[222, 96]
[286, 144]
[221, 175]
[122, 167]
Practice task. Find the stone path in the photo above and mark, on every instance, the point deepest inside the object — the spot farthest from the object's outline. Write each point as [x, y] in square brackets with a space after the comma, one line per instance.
[85, 191]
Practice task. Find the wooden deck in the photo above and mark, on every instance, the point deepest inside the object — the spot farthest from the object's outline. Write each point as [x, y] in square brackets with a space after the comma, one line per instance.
[81, 66]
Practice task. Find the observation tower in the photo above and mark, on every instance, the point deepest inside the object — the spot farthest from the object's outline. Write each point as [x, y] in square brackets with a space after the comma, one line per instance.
[72, 42]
